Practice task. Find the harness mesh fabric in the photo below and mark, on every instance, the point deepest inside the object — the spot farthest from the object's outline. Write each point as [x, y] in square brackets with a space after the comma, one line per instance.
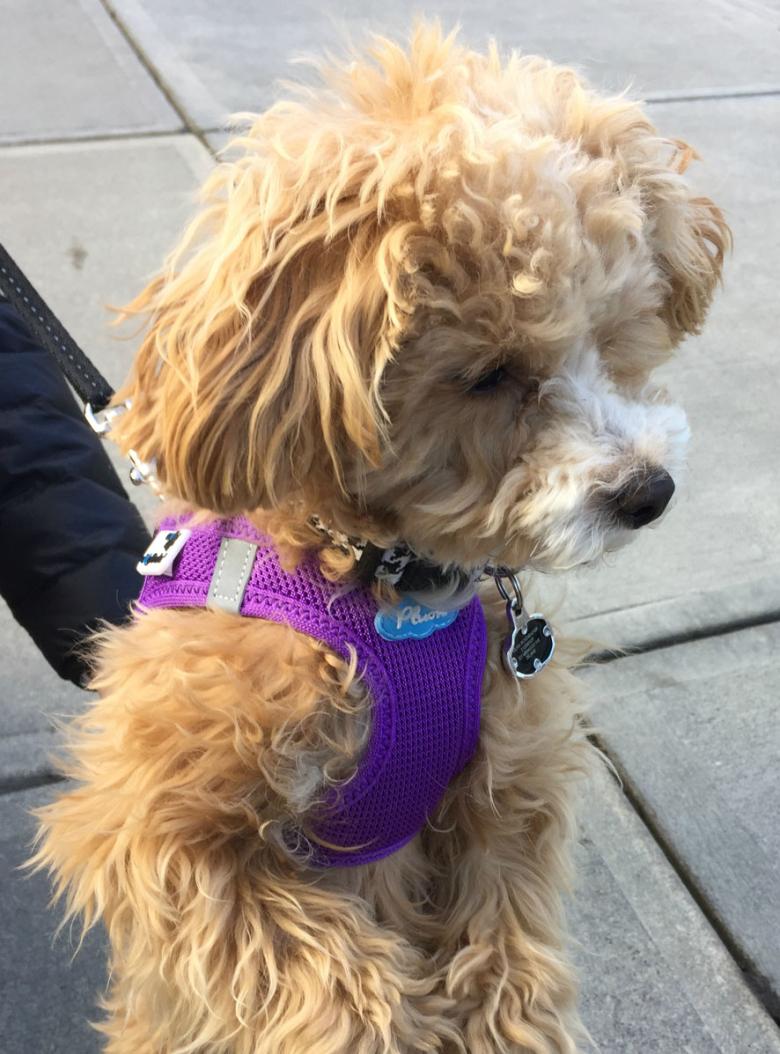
[426, 692]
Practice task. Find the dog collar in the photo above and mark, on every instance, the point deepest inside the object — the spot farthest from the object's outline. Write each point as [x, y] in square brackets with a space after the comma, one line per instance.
[399, 565]
[529, 644]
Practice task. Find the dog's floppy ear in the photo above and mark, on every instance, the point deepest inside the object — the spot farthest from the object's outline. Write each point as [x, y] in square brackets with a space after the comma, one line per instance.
[259, 368]
[691, 237]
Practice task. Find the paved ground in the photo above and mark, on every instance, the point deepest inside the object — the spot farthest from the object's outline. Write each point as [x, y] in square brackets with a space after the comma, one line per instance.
[111, 110]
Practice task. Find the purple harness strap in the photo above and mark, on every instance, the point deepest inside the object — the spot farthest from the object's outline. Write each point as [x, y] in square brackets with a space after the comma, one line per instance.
[426, 692]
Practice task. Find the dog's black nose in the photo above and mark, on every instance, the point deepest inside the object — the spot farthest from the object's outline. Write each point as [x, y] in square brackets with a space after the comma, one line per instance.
[643, 500]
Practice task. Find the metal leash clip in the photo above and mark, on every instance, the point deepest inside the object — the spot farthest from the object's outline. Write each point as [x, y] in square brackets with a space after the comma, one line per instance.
[143, 472]
[101, 422]
[530, 644]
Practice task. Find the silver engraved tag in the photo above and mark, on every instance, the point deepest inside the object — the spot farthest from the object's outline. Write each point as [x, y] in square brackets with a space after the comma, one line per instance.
[530, 644]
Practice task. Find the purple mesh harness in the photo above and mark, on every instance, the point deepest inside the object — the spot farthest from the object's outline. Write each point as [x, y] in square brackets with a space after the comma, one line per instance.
[426, 692]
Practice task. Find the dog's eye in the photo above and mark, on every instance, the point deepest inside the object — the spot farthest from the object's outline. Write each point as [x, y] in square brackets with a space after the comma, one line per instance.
[489, 381]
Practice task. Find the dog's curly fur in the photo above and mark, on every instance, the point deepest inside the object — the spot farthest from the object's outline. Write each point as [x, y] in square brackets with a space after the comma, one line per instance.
[424, 303]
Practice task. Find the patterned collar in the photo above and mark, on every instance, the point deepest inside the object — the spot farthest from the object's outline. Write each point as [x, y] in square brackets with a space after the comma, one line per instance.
[399, 565]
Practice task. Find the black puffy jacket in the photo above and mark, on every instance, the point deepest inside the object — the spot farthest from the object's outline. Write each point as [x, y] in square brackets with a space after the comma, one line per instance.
[69, 536]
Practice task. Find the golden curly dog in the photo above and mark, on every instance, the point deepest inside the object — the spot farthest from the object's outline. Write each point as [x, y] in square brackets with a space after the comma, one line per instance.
[424, 304]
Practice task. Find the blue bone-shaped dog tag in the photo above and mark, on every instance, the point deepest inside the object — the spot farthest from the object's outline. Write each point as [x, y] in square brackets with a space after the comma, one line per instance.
[409, 620]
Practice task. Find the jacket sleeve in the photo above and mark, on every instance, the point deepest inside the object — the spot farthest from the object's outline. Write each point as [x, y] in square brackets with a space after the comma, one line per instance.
[69, 536]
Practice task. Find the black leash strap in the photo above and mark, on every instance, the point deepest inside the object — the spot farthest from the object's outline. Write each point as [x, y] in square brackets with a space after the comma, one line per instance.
[88, 382]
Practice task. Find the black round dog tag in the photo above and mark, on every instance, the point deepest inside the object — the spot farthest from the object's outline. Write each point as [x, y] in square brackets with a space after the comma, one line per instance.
[530, 646]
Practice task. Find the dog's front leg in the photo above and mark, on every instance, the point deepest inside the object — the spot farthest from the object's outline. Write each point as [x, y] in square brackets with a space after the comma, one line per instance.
[502, 844]
[187, 767]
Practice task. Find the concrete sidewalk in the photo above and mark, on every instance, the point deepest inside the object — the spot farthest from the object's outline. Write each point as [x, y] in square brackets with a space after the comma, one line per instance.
[112, 112]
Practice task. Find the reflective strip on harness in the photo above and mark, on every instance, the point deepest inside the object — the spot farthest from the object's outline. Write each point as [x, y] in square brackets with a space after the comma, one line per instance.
[231, 574]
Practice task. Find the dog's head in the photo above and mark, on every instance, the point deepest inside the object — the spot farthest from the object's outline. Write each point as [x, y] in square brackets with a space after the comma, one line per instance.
[426, 302]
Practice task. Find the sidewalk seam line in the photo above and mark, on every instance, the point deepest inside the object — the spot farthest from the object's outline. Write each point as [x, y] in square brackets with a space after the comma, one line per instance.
[101, 137]
[703, 96]
[16, 784]
[156, 76]
[718, 629]
[759, 985]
